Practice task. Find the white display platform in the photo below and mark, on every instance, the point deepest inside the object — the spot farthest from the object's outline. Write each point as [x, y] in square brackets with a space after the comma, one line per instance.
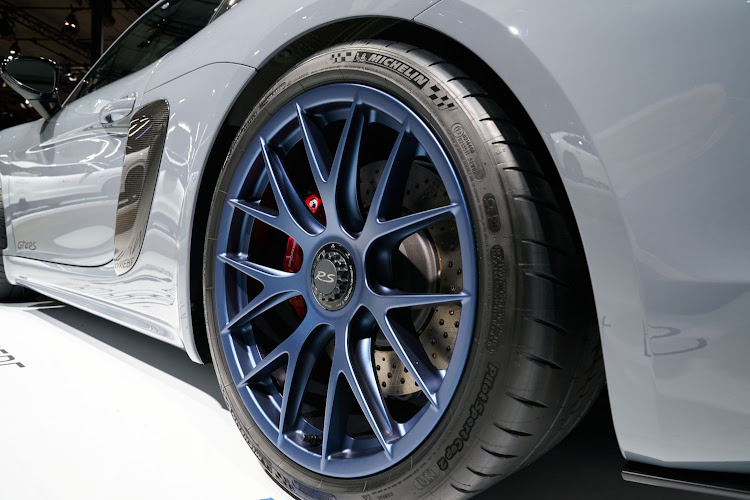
[102, 412]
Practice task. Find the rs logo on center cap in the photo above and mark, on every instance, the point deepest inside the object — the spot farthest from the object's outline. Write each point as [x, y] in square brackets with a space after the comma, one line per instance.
[333, 276]
[325, 278]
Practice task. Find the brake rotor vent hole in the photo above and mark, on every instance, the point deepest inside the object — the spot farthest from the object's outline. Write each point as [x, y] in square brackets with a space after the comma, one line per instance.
[436, 247]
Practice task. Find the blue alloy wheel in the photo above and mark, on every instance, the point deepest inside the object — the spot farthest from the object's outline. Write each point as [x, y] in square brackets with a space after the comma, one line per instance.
[345, 317]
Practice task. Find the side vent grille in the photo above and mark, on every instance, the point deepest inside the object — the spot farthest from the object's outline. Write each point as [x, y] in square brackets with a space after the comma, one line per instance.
[140, 169]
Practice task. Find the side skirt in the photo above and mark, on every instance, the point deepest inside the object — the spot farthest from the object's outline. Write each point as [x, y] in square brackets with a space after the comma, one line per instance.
[728, 485]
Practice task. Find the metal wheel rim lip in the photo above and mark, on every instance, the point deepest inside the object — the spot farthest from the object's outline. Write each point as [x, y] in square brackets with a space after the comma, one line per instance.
[422, 425]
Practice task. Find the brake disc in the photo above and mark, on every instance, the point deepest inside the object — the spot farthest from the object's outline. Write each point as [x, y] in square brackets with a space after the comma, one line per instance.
[435, 254]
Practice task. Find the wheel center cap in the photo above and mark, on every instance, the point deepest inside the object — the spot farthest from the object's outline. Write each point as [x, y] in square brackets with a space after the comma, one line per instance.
[333, 276]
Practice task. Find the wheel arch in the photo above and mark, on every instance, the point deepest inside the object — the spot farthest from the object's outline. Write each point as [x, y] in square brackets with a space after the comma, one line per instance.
[287, 56]
[283, 59]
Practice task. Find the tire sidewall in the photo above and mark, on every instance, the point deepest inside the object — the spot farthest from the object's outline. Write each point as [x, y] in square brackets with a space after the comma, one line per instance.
[469, 413]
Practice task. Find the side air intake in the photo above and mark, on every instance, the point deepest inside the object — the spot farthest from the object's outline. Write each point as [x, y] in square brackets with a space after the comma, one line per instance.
[146, 135]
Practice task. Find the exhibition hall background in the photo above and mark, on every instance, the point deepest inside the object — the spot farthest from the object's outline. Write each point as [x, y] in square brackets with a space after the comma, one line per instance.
[73, 34]
[68, 344]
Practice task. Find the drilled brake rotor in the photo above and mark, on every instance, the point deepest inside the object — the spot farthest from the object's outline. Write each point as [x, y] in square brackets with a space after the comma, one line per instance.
[435, 255]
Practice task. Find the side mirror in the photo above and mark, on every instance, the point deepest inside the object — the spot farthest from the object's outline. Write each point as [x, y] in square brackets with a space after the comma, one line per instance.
[35, 79]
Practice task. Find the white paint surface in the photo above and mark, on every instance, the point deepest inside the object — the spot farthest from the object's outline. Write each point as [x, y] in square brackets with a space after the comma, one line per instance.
[102, 412]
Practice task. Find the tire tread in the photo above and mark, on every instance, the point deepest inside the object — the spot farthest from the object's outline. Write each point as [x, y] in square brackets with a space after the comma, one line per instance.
[548, 255]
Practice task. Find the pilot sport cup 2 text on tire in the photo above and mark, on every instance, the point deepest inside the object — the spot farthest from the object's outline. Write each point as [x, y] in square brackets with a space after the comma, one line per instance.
[396, 304]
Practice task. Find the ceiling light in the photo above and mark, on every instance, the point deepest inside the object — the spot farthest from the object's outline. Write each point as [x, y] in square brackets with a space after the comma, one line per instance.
[15, 50]
[67, 71]
[70, 25]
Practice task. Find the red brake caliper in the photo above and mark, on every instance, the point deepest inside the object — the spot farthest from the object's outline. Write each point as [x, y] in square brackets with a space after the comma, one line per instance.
[293, 256]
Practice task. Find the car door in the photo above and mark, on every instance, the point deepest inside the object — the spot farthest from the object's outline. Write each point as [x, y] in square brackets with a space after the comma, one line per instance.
[65, 184]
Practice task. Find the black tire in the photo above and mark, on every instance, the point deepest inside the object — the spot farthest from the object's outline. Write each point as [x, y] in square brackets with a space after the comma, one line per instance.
[535, 364]
[8, 292]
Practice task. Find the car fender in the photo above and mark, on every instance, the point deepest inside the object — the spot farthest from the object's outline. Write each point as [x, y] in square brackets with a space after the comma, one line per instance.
[657, 92]
[199, 102]
[14, 142]
[251, 32]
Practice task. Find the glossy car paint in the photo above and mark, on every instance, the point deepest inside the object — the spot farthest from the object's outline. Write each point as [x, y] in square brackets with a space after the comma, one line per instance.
[272, 29]
[659, 94]
[153, 297]
[64, 177]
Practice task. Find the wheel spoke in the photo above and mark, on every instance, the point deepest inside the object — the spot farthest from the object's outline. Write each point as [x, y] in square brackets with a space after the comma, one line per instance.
[353, 362]
[392, 299]
[287, 199]
[387, 201]
[276, 289]
[412, 354]
[338, 402]
[263, 214]
[267, 365]
[343, 178]
[301, 350]
[256, 271]
[317, 153]
[364, 386]
[289, 348]
[396, 230]
[301, 363]
[279, 220]
[260, 304]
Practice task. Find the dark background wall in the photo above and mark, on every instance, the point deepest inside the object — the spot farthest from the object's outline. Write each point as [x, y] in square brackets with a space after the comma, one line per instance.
[38, 28]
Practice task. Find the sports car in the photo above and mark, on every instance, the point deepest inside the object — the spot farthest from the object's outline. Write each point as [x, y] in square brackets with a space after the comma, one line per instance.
[413, 236]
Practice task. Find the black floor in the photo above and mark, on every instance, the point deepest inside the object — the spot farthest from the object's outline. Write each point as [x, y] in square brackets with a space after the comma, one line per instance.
[586, 465]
